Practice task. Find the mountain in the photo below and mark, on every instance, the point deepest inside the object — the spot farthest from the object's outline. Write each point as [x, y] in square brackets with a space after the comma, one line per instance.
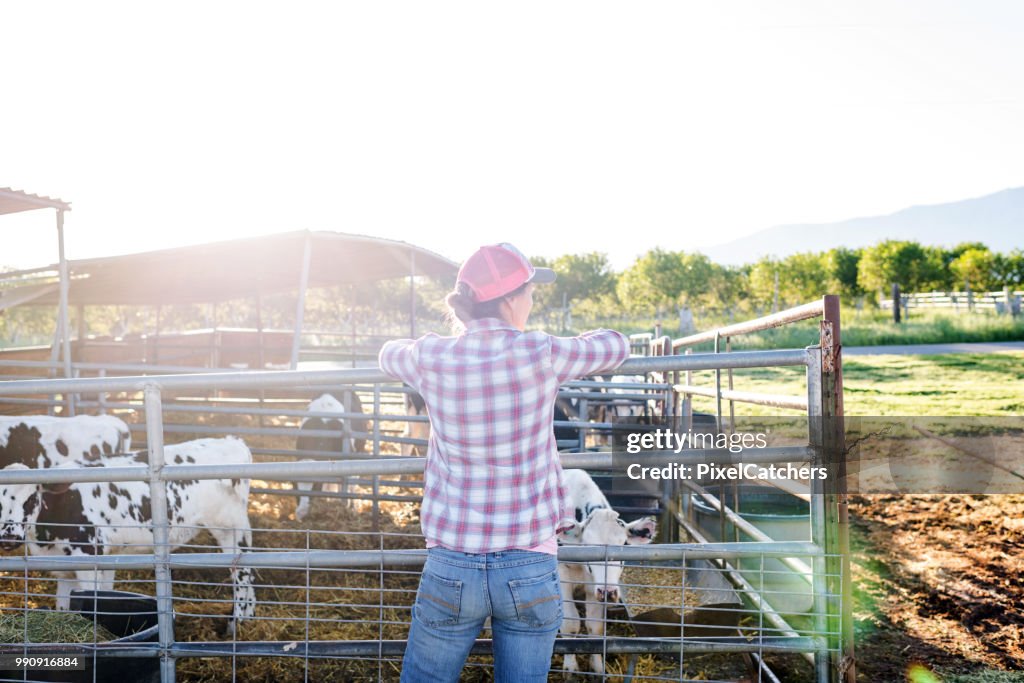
[995, 219]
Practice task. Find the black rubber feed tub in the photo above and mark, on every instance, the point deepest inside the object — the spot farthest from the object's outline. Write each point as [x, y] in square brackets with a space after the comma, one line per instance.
[131, 617]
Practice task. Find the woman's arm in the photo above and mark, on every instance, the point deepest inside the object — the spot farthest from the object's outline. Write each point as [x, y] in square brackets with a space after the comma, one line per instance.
[397, 358]
[588, 354]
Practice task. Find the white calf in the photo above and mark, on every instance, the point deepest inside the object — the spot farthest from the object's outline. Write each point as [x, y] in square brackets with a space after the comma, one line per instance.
[595, 523]
[328, 403]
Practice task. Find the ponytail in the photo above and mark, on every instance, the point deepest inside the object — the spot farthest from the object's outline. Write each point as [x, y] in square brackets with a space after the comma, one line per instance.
[463, 306]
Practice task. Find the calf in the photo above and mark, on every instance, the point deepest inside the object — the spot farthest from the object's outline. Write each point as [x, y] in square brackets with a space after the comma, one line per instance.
[617, 409]
[595, 523]
[328, 403]
[415, 406]
[45, 441]
[88, 519]
[566, 410]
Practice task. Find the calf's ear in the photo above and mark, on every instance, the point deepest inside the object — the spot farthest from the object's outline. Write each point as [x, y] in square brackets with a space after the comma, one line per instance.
[569, 531]
[641, 531]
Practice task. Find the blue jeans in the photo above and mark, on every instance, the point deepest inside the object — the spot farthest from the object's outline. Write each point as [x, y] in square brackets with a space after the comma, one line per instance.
[517, 589]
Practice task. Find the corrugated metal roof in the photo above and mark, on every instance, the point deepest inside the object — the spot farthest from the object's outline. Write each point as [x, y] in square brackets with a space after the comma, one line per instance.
[222, 271]
[13, 201]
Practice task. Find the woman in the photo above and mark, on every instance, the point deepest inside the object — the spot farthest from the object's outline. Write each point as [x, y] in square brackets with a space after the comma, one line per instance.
[492, 495]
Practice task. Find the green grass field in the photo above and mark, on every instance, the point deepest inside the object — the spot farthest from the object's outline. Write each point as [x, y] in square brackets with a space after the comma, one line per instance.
[860, 328]
[876, 328]
[955, 384]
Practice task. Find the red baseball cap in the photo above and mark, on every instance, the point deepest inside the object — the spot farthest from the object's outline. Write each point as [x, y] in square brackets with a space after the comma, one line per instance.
[497, 269]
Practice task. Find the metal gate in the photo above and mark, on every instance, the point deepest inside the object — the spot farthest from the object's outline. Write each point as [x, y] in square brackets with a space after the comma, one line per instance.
[347, 608]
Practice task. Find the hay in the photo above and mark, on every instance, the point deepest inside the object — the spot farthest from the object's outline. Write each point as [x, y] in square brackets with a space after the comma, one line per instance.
[648, 587]
[47, 626]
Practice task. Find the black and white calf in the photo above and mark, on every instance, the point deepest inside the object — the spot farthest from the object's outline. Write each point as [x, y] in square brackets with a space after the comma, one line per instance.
[344, 402]
[595, 523]
[45, 441]
[83, 519]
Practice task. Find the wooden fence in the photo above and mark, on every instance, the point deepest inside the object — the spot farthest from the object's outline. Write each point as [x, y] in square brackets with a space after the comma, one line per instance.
[1005, 302]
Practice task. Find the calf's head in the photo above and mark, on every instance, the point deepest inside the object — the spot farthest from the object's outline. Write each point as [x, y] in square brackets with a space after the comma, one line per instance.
[604, 527]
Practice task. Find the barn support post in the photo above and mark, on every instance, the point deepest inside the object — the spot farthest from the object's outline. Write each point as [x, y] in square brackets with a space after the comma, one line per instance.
[80, 324]
[62, 335]
[156, 336]
[161, 530]
[64, 287]
[412, 294]
[260, 352]
[376, 452]
[76, 399]
[352, 295]
[101, 397]
[300, 305]
[51, 370]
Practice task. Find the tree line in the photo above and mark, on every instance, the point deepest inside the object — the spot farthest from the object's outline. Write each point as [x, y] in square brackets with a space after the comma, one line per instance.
[658, 281]
[664, 279]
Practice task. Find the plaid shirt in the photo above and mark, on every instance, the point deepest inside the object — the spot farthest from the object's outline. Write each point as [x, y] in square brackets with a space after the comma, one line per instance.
[492, 479]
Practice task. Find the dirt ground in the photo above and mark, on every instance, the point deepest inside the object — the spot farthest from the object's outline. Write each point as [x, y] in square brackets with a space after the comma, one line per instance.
[938, 581]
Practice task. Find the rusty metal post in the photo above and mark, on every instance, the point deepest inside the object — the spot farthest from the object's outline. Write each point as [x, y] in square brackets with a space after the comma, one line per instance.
[837, 528]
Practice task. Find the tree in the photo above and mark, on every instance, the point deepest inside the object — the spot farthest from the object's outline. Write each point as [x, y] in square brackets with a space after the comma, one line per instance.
[664, 278]
[934, 272]
[580, 277]
[1009, 269]
[804, 277]
[975, 267]
[761, 281]
[728, 286]
[893, 262]
[841, 266]
[959, 249]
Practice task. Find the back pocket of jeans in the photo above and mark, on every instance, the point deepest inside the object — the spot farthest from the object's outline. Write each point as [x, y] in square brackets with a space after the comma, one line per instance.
[438, 600]
[538, 600]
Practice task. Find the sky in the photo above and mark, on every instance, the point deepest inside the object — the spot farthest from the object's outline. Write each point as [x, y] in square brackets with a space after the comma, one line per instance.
[562, 127]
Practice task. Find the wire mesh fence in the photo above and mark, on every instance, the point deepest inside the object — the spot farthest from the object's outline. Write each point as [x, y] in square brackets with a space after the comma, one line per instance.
[341, 607]
[331, 595]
